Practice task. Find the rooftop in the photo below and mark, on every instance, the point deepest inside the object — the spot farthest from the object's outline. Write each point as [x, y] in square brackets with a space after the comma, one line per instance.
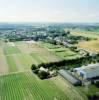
[69, 77]
[91, 70]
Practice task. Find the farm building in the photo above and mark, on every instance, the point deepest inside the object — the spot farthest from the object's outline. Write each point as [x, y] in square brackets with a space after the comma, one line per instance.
[69, 77]
[89, 71]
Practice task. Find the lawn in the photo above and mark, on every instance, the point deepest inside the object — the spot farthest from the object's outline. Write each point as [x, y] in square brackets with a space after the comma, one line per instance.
[26, 86]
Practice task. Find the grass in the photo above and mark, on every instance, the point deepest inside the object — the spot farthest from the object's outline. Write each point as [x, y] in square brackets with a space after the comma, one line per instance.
[90, 90]
[11, 50]
[26, 86]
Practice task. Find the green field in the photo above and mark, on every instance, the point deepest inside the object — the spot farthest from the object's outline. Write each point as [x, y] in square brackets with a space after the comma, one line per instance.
[11, 50]
[89, 90]
[21, 56]
[11, 63]
[60, 51]
[26, 86]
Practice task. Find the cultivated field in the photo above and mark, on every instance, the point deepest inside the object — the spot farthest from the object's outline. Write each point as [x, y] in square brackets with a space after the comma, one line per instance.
[17, 82]
[92, 46]
[26, 86]
[21, 56]
[84, 33]
[3, 63]
[61, 52]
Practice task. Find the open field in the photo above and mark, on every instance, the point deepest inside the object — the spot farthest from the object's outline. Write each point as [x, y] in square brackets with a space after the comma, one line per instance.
[79, 32]
[38, 53]
[26, 86]
[11, 50]
[20, 56]
[92, 46]
[3, 63]
[61, 52]
[11, 63]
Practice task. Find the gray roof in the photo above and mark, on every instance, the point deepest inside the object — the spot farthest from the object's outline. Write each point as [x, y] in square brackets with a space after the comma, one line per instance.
[69, 77]
[91, 70]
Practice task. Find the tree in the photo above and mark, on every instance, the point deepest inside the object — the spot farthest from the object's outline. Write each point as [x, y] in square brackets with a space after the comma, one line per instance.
[43, 74]
[34, 67]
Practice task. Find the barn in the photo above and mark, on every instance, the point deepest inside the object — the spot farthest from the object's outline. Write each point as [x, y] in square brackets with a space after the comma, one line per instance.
[69, 77]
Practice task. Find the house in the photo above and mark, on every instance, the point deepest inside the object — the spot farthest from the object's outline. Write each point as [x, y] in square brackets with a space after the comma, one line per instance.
[43, 69]
[90, 71]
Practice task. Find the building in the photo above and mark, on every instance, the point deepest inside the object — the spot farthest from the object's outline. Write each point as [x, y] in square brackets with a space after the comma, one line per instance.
[88, 72]
[69, 77]
[43, 69]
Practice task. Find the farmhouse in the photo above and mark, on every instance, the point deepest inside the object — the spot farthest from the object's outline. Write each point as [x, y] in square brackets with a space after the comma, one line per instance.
[43, 69]
[88, 72]
[69, 77]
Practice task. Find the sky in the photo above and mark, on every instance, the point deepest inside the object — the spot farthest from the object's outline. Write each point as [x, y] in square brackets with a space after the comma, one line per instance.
[49, 10]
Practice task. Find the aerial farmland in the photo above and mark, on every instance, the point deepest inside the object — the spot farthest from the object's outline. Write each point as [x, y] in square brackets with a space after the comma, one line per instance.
[30, 65]
[18, 82]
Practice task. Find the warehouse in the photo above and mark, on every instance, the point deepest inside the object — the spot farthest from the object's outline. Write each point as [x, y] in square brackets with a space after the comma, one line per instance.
[69, 77]
[88, 72]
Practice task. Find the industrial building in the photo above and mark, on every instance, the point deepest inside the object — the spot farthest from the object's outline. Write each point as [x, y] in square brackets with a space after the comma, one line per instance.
[88, 72]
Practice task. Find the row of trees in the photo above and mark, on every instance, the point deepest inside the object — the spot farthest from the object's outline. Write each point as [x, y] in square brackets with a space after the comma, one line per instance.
[70, 62]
